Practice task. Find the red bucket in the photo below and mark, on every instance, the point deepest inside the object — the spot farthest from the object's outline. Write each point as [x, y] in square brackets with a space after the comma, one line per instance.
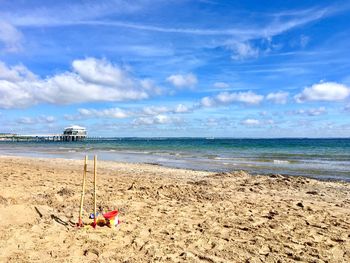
[111, 215]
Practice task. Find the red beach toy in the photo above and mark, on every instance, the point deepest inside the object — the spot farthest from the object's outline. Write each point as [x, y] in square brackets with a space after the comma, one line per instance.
[111, 215]
[111, 218]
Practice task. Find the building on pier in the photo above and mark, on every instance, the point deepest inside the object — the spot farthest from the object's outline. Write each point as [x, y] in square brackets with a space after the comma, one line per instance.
[74, 133]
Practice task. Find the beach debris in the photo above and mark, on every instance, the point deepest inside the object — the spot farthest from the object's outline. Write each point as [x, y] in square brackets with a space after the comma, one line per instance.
[59, 220]
[39, 213]
[312, 192]
[132, 186]
[243, 228]
[300, 204]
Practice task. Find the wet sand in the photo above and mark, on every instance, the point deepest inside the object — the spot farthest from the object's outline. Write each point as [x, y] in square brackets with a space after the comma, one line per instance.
[169, 215]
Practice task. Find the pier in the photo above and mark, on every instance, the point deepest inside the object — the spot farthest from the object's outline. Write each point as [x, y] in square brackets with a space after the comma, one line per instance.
[41, 137]
[31, 137]
[70, 134]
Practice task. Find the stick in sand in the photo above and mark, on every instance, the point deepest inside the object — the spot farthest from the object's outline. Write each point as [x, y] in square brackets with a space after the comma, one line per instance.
[80, 222]
[95, 174]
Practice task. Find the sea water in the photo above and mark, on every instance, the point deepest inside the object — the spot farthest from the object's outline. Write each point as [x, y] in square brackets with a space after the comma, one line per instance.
[327, 159]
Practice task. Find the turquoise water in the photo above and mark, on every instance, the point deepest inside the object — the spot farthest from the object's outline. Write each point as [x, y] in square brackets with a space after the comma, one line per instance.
[327, 159]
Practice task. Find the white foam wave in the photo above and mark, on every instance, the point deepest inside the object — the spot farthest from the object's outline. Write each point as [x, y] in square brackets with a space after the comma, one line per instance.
[280, 161]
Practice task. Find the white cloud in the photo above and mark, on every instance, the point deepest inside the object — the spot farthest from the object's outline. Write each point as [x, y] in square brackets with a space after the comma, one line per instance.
[10, 37]
[118, 113]
[36, 120]
[115, 113]
[63, 13]
[224, 98]
[245, 97]
[101, 72]
[155, 110]
[211, 122]
[155, 120]
[89, 14]
[347, 108]
[310, 112]
[208, 102]
[221, 85]
[324, 91]
[180, 81]
[279, 97]
[16, 73]
[26, 120]
[48, 119]
[250, 122]
[258, 123]
[180, 108]
[242, 50]
[161, 119]
[317, 112]
[92, 80]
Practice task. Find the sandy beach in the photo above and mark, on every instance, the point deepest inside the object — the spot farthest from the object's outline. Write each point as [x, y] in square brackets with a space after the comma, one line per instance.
[169, 215]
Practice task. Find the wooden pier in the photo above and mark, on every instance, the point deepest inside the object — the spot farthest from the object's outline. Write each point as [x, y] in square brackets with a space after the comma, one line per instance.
[40, 137]
[70, 134]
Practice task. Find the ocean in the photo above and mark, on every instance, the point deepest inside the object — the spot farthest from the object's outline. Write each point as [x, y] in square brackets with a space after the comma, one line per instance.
[325, 159]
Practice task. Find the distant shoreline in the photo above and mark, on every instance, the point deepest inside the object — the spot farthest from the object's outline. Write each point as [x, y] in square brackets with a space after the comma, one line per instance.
[76, 159]
[94, 138]
[325, 159]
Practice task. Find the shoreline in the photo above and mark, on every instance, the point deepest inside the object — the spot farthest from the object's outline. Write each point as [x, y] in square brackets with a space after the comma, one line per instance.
[325, 160]
[169, 214]
[253, 173]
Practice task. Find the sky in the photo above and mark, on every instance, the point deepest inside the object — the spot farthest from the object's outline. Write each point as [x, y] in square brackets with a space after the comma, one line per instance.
[177, 68]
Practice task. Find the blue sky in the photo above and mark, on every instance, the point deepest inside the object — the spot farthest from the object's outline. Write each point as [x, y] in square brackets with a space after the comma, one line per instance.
[176, 68]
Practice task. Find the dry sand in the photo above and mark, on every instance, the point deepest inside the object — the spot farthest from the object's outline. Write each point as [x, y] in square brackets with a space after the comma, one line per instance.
[169, 215]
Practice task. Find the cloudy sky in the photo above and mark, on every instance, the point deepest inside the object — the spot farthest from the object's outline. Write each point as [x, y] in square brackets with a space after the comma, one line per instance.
[176, 68]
